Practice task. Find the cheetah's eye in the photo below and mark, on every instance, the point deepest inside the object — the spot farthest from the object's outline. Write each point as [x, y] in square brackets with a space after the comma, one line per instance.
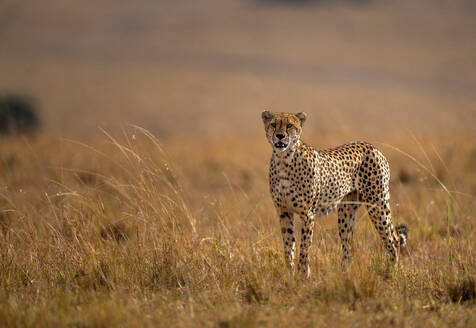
[273, 125]
[289, 126]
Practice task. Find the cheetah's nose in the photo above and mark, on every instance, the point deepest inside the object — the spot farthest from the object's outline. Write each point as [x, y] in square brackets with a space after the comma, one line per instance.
[280, 136]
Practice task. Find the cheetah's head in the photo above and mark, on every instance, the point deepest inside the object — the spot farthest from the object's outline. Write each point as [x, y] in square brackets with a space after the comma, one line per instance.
[283, 129]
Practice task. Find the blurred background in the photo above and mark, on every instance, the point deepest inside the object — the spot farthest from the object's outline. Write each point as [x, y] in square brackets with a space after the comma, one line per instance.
[101, 231]
[363, 69]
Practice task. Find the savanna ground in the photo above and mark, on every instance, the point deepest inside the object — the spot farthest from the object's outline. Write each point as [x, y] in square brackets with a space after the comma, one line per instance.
[132, 232]
[175, 227]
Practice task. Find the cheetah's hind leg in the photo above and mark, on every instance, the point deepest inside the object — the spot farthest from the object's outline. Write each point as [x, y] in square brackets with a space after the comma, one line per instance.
[346, 220]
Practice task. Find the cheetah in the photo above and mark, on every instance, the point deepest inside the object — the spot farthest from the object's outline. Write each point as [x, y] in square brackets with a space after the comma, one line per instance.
[311, 183]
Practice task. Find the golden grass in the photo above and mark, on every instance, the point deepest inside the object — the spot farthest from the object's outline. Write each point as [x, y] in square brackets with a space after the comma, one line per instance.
[135, 233]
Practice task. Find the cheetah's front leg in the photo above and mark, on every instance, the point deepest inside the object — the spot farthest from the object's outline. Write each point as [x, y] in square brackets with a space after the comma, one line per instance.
[307, 222]
[289, 241]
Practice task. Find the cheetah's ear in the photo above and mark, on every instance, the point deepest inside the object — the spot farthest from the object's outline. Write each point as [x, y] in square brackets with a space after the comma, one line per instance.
[301, 116]
[266, 116]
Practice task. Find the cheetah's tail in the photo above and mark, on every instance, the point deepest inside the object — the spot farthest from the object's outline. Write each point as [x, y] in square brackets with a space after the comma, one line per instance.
[402, 232]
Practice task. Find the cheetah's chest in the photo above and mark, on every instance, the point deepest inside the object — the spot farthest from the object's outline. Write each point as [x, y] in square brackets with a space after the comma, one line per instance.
[294, 186]
[281, 184]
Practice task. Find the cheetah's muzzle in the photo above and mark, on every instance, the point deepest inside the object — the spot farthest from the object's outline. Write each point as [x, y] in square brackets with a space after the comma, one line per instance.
[280, 145]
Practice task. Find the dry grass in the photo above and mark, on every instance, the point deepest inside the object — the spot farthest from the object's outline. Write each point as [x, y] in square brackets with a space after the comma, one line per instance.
[131, 232]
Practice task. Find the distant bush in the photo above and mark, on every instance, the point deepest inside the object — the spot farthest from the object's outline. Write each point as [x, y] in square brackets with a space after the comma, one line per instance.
[18, 115]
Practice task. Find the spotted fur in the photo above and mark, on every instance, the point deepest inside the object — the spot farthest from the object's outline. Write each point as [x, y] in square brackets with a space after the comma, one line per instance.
[311, 183]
